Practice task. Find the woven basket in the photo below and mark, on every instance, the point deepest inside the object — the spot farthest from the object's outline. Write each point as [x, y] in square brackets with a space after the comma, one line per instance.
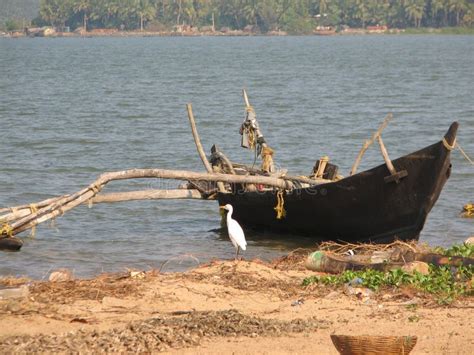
[373, 345]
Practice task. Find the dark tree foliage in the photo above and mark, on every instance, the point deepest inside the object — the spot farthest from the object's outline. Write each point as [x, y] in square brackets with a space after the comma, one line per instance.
[294, 16]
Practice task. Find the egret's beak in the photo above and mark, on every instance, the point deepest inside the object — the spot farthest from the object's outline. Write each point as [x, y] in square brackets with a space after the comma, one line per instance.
[222, 207]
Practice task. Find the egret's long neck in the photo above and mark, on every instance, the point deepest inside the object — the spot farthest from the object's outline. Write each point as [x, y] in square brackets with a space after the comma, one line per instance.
[229, 215]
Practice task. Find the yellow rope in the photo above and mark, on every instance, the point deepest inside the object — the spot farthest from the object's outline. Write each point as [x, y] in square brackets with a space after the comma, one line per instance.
[95, 189]
[267, 159]
[280, 207]
[33, 209]
[6, 230]
[447, 146]
[251, 137]
[468, 210]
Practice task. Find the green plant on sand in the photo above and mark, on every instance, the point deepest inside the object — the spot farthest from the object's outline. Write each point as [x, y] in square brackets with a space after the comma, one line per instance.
[445, 283]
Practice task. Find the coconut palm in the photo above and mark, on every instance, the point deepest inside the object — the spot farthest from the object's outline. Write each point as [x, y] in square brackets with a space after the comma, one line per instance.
[146, 11]
[457, 7]
[85, 8]
[56, 12]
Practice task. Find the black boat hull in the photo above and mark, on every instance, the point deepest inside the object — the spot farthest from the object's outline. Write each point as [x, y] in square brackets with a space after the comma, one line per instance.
[360, 208]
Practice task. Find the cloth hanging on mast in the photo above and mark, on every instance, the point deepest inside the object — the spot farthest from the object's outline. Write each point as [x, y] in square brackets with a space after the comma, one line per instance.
[252, 137]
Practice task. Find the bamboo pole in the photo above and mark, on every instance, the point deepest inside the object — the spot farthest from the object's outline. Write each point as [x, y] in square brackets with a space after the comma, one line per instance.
[199, 148]
[37, 205]
[369, 142]
[147, 195]
[247, 104]
[259, 134]
[113, 197]
[246, 98]
[67, 202]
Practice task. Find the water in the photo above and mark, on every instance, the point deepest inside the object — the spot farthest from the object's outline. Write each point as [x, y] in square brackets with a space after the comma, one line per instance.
[71, 109]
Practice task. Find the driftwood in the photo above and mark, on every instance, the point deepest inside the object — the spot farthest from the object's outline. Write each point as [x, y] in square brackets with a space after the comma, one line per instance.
[369, 142]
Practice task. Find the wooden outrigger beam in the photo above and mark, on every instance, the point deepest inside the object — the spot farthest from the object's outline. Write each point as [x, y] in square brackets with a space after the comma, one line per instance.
[25, 218]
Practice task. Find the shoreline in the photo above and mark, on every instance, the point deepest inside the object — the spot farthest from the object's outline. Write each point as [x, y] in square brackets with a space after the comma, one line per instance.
[218, 307]
[237, 33]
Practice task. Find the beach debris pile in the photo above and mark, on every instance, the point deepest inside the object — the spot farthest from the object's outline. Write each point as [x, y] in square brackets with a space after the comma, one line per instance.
[445, 274]
[161, 333]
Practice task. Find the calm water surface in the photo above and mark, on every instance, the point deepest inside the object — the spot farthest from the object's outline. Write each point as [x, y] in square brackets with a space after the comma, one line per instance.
[71, 109]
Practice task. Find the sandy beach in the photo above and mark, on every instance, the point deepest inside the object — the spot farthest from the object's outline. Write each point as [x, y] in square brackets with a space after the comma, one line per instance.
[222, 307]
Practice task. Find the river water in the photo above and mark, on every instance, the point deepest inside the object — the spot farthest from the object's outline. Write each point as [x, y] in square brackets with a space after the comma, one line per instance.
[71, 109]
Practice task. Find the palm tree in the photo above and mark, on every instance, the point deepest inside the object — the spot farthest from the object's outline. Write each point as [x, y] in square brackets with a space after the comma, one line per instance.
[361, 11]
[57, 12]
[415, 10]
[146, 10]
[251, 11]
[110, 11]
[457, 6]
[437, 6]
[84, 7]
[323, 6]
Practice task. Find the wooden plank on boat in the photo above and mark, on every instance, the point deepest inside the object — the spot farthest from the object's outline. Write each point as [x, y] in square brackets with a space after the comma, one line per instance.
[394, 175]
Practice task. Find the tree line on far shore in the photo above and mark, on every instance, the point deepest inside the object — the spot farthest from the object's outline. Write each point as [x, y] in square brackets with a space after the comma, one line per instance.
[293, 16]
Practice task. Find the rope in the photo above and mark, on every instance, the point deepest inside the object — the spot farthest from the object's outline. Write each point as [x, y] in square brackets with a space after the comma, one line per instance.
[95, 189]
[267, 159]
[468, 210]
[280, 207]
[464, 153]
[456, 145]
[6, 230]
[447, 146]
[33, 209]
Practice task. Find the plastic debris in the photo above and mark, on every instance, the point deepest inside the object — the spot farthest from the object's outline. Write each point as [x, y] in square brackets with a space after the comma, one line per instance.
[14, 292]
[61, 275]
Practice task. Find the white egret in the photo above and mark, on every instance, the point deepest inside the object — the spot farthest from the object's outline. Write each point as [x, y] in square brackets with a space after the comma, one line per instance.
[236, 234]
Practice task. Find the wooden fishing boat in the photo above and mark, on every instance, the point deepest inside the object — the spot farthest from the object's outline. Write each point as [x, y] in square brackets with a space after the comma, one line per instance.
[378, 205]
[388, 202]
